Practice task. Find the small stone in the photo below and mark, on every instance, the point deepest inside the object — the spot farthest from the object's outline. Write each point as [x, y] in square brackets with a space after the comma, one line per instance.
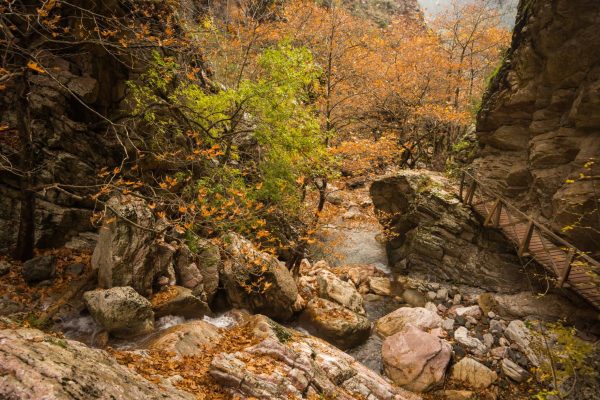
[468, 325]
[496, 327]
[488, 340]
[457, 299]
[431, 295]
[503, 342]
[434, 286]
[513, 371]
[458, 395]
[472, 320]
[461, 335]
[442, 308]
[460, 320]
[448, 324]
[491, 315]
[442, 294]
[458, 351]
[39, 269]
[499, 352]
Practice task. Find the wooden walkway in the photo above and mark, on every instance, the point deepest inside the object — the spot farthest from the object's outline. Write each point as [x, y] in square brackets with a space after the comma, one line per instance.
[572, 268]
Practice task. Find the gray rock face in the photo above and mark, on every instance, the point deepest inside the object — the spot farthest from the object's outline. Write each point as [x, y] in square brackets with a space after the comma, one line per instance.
[274, 297]
[37, 366]
[130, 256]
[39, 269]
[539, 122]
[334, 323]
[436, 235]
[120, 310]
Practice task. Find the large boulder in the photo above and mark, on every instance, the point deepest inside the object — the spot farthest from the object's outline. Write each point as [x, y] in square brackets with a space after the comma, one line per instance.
[415, 360]
[400, 320]
[287, 365]
[36, 366]
[334, 323]
[187, 339]
[128, 252]
[120, 310]
[177, 300]
[256, 280]
[433, 233]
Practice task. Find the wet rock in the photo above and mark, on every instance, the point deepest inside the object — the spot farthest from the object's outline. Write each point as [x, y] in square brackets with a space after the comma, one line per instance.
[177, 300]
[473, 373]
[40, 366]
[39, 269]
[334, 323]
[120, 310]
[126, 255]
[275, 297]
[400, 319]
[461, 335]
[415, 360]
[513, 371]
[187, 339]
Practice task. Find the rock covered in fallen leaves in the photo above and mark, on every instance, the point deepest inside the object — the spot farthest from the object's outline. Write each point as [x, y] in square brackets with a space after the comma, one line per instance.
[120, 310]
[414, 359]
[39, 269]
[37, 366]
[256, 280]
[286, 365]
[334, 323]
[177, 300]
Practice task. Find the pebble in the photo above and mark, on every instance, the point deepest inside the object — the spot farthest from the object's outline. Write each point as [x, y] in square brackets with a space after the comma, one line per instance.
[434, 286]
[488, 340]
[460, 320]
[504, 342]
[491, 315]
[448, 324]
[4, 268]
[472, 320]
[442, 308]
[496, 327]
[457, 299]
[431, 307]
[431, 295]
[442, 294]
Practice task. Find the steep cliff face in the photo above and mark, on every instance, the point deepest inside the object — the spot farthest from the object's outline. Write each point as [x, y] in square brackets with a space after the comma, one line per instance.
[384, 11]
[539, 127]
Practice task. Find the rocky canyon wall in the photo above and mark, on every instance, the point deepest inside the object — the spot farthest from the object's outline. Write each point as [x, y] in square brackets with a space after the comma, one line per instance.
[539, 125]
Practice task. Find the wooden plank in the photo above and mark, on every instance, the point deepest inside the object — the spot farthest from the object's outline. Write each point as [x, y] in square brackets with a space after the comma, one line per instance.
[526, 239]
[567, 267]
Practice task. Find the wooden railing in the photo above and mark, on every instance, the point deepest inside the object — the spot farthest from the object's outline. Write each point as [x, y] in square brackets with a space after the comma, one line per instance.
[573, 268]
